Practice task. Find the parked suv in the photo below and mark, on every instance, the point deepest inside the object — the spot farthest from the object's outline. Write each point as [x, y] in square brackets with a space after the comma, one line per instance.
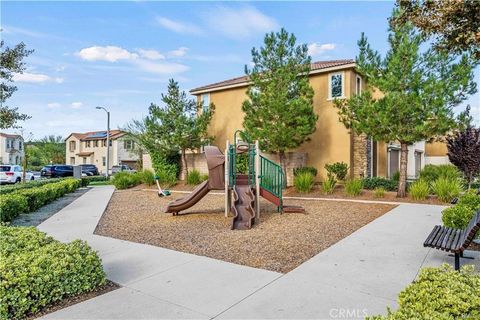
[89, 169]
[57, 171]
[13, 174]
[122, 167]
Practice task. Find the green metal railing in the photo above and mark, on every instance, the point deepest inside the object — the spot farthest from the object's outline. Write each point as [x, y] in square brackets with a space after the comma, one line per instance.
[271, 177]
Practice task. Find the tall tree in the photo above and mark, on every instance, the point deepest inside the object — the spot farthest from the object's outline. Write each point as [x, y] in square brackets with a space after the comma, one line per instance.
[11, 62]
[279, 109]
[177, 126]
[419, 91]
[47, 150]
[464, 152]
[454, 23]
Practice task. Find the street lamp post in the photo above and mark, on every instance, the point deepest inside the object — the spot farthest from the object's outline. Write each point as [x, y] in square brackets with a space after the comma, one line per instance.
[108, 138]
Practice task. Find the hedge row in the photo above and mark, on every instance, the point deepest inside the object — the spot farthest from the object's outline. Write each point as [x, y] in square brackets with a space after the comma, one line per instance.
[439, 293]
[28, 200]
[27, 185]
[86, 180]
[36, 270]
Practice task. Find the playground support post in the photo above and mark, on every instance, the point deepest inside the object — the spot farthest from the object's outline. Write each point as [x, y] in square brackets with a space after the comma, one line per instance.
[227, 182]
[257, 181]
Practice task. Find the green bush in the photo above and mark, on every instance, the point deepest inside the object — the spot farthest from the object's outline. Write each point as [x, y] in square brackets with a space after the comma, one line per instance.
[30, 199]
[439, 293]
[300, 170]
[457, 216]
[204, 177]
[27, 185]
[194, 177]
[375, 182]
[125, 180]
[241, 163]
[431, 172]
[87, 180]
[37, 270]
[379, 192]
[328, 186]
[396, 176]
[470, 199]
[147, 177]
[419, 190]
[446, 189]
[338, 170]
[303, 182]
[354, 187]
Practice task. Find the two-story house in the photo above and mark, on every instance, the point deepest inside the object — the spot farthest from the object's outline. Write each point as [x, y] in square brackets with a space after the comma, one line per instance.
[12, 149]
[331, 142]
[91, 148]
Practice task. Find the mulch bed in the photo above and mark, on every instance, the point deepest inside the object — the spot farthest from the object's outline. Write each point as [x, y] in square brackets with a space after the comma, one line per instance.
[70, 301]
[280, 242]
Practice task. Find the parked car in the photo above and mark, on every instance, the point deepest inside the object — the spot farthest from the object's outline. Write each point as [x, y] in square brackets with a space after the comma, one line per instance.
[57, 171]
[89, 169]
[13, 174]
[122, 167]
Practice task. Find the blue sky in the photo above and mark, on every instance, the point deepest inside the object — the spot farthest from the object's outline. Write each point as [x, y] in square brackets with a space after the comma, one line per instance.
[121, 54]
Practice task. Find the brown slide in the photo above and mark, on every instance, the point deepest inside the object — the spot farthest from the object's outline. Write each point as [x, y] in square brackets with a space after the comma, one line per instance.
[242, 207]
[192, 198]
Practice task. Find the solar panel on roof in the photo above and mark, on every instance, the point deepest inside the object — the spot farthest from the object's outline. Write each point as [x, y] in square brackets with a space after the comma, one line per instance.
[102, 134]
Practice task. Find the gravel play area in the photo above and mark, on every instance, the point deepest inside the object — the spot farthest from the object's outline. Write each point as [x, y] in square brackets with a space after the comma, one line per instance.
[280, 242]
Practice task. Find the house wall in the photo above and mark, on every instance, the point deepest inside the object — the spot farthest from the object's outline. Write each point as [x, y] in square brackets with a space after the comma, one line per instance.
[329, 143]
[7, 155]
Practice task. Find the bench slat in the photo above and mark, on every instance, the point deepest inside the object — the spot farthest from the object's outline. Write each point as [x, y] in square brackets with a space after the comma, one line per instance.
[446, 239]
[443, 233]
[431, 236]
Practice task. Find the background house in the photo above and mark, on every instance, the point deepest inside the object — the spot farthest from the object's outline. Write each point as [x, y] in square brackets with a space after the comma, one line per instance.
[331, 142]
[91, 148]
[12, 149]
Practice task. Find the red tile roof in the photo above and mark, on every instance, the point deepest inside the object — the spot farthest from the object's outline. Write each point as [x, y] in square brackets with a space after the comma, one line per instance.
[319, 65]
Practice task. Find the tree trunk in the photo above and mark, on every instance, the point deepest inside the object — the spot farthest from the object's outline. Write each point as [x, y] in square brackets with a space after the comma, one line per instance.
[402, 182]
[184, 164]
[283, 164]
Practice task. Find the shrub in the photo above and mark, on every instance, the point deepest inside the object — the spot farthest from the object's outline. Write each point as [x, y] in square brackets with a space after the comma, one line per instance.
[457, 216]
[470, 199]
[194, 177]
[353, 187]
[396, 176]
[303, 182]
[379, 192]
[87, 180]
[204, 177]
[241, 163]
[28, 185]
[147, 177]
[338, 169]
[439, 293]
[328, 186]
[37, 270]
[312, 170]
[446, 189]
[125, 180]
[375, 182]
[432, 172]
[12, 205]
[419, 190]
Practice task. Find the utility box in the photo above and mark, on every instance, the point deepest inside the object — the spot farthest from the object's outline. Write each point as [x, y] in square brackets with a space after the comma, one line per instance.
[77, 172]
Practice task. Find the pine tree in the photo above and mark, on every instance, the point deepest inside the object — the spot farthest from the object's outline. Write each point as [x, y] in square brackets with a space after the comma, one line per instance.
[279, 109]
[419, 91]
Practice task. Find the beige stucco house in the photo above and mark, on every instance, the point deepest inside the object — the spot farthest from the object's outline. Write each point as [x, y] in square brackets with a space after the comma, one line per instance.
[91, 148]
[331, 142]
[12, 149]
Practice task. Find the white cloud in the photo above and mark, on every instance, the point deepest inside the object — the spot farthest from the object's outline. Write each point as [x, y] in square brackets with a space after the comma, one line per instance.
[180, 52]
[150, 54]
[107, 53]
[179, 27]
[35, 78]
[241, 22]
[76, 105]
[54, 105]
[315, 49]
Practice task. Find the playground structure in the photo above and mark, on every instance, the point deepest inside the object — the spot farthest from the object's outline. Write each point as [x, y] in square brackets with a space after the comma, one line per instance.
[245, 175]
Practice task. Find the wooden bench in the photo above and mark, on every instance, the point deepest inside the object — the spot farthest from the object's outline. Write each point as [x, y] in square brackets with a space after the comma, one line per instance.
[454, 240]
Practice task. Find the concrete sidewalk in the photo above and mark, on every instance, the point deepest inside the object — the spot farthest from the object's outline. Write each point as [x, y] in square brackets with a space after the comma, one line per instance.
[362, 274]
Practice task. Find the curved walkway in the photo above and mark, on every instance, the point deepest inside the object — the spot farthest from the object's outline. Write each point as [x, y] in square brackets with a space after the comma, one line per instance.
[360, 275]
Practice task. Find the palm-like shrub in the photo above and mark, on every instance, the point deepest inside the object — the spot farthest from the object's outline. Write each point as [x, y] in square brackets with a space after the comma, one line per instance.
[328, 186]
[446, 189]
[303, 182]
[194, 177]
[379, 192]
[419, 190]
[354, 187]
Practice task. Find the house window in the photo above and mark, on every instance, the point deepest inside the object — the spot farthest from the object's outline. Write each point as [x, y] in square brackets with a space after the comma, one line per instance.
[335, 86]
[84, 160]
[72, 145]
[72, 159]
[9, 144]
[87, 144]
[128, 144]
[104, 161]
[95, 143]
[20, 145]
[358, 85]
[205, 101]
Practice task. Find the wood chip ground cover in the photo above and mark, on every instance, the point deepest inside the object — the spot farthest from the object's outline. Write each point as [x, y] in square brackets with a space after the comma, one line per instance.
[280, 242]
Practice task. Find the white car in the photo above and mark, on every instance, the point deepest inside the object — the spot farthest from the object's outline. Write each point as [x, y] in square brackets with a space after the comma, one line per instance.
[12, 173]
